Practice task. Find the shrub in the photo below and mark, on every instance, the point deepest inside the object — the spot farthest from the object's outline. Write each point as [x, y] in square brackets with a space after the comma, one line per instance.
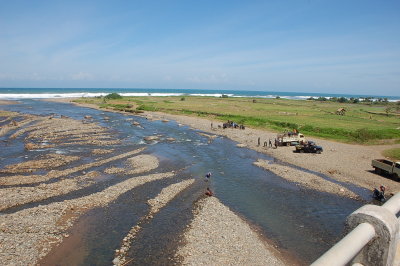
[364, 134]
[113, 96]
[147, 108]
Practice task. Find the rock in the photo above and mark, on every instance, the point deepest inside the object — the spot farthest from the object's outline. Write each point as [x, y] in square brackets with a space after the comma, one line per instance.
[29, 146]
[150, 138]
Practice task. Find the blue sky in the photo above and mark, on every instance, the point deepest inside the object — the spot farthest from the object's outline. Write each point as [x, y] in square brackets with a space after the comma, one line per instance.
[308, 46]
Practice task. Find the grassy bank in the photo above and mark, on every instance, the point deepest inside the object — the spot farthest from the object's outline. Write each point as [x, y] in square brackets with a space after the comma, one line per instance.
[393, 154]
[362, 123]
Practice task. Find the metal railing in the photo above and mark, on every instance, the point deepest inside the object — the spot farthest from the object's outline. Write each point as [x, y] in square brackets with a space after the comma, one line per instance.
[375, 231]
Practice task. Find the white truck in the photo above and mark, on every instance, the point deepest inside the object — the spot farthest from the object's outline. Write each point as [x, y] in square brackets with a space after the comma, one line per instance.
[383, 166]
[290, 139]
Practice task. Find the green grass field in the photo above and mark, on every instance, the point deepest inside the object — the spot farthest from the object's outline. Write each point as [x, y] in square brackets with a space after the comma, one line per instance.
[362, 123]
[393, 154]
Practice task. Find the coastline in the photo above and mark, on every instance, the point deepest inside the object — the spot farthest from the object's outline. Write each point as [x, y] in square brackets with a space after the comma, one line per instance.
[43, 93]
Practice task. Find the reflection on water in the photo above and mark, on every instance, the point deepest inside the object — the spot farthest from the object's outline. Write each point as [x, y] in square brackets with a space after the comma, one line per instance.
[304, 222]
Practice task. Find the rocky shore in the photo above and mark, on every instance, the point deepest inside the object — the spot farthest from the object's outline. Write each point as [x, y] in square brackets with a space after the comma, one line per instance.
[217, 236]
[305, 179]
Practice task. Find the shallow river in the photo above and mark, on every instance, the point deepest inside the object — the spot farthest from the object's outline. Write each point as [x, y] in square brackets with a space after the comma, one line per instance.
[302, 222]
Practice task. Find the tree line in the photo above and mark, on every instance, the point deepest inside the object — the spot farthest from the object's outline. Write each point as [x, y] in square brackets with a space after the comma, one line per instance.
[372, 100]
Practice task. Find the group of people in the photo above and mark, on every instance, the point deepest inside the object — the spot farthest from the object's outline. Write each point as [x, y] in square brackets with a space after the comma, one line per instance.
[292, 133]
[231, 124]
[268, 144]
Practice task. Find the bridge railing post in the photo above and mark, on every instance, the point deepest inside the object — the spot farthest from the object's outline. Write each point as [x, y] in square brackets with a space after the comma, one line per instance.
[372, 237]
[380, 251]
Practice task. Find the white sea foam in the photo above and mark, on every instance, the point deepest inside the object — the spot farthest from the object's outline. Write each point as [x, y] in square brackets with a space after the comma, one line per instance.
[16, 96]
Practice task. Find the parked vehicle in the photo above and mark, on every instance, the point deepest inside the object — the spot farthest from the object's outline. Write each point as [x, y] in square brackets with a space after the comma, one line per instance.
[383, 166]
[290, 139]
[310, 147]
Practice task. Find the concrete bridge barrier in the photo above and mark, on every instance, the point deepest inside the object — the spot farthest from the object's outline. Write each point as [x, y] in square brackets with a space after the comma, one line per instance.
[372, 239]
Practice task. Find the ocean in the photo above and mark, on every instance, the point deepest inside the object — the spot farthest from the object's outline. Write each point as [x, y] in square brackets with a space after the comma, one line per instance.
[41, 93]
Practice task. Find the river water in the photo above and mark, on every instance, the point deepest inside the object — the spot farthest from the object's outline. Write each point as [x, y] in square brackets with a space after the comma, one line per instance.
[303, 222]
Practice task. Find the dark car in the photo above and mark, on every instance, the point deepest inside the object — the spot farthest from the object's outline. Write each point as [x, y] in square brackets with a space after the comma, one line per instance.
[310, 147]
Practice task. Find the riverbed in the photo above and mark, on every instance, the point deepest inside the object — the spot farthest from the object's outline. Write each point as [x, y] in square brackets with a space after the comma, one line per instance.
[299, 221]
